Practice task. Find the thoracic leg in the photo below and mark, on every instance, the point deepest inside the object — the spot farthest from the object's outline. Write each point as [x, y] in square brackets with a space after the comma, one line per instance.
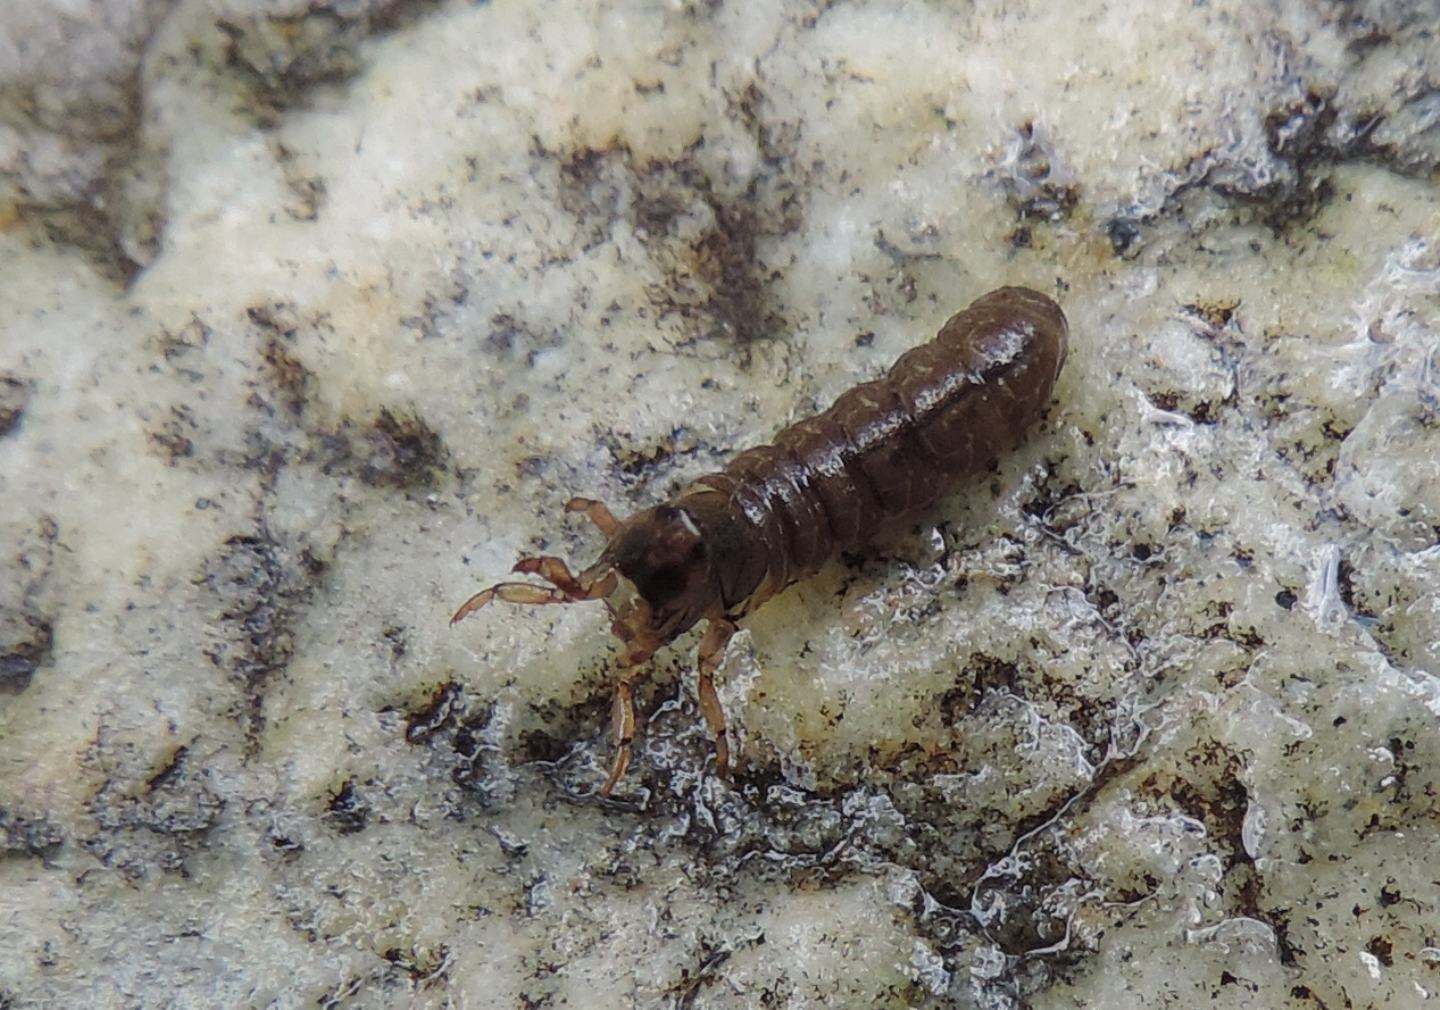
[568, 588]
[598, 513]
[510, 592]
[622, 725]
[712, 651]
[554, 571]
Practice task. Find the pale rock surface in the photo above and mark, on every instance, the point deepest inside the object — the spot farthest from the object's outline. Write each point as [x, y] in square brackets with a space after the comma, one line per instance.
[312, 315]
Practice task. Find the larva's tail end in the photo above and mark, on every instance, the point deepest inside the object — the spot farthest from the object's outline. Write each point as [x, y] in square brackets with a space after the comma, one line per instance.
[1040, 311]
[1040, 308]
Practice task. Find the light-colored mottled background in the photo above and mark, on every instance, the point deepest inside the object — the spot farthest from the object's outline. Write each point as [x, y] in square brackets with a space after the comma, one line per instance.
[314, 312]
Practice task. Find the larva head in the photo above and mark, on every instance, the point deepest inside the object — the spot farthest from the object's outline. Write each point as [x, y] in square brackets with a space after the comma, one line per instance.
[664, 568]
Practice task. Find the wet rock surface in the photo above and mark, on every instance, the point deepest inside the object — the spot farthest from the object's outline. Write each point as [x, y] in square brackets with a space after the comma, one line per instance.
[314, 315]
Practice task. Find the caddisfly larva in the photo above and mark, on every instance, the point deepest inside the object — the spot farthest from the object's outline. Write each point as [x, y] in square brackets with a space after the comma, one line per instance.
[733, 539]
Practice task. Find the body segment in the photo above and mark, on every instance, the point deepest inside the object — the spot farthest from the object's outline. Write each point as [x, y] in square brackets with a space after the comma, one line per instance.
[776, 513]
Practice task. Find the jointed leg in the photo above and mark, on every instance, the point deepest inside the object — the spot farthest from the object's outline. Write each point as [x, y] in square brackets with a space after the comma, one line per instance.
[712, 651]
[554, 571]
[568, 588]
[597, 512]
[510, 592]
[622, 725]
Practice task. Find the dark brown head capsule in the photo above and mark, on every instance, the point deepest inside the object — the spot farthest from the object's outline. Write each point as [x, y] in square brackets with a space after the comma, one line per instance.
[663, 557]
[883, 451]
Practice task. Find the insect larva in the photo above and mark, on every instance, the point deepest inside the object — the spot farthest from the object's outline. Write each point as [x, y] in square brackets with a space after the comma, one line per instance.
[733, 539]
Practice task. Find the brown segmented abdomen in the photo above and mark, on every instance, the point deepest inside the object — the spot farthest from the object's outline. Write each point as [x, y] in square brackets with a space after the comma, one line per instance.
[885, 449]
[733, 539]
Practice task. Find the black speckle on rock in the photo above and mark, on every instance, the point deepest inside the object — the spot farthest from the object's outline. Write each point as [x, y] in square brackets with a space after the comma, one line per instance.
[1177, 401]
[392, 450]
[1285, 598]
[402, 451]
[28, 836]
[1382, 950]
[1349, 589]
[718, 280]
[308, 192]
[503, 333]
[170, 773]
[281, 55]
[446, 705]
[14, 397]
[1215, 313]
[287, 847]
[538, 745]
[155, 822]
[279, 319]
[27, 617]
[1123, 233]
[347, 811]
[726, 260]
[1051, 204]
[177, 799]
[172, 437]
[394, 637]
[26, 644]
[95, 233]
[259, 579]
[287, 374]
[532, 466]
[650, 457]
[1032, 184]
